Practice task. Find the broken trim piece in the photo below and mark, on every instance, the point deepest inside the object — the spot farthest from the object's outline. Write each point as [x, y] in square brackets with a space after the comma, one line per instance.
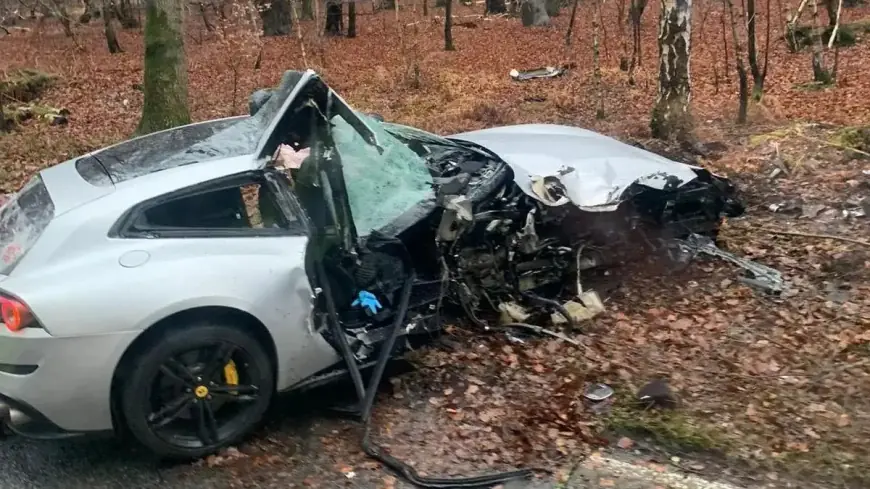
[763, 277]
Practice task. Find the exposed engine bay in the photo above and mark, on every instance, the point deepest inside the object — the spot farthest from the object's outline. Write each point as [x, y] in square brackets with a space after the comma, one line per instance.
[484, 243]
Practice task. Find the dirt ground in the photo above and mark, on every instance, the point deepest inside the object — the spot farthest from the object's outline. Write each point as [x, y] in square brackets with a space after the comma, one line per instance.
[774, 388]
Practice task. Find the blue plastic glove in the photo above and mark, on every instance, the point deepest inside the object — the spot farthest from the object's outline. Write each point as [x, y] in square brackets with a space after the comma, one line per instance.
[367, 300]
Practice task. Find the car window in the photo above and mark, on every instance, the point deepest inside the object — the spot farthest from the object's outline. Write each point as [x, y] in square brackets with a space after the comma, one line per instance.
[380, 186]
[23, 218]
[248, 206]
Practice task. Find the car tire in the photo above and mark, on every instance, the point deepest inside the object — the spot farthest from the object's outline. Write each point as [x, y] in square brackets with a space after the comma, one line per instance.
[136, 393]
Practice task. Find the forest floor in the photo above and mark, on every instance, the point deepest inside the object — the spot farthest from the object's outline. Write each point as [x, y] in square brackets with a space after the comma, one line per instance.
[768, 386]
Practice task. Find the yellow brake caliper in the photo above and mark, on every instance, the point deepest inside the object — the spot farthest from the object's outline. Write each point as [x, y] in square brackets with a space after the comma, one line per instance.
[231, 374]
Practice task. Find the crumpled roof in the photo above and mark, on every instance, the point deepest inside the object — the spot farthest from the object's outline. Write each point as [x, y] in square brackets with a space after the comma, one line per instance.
[194, 143]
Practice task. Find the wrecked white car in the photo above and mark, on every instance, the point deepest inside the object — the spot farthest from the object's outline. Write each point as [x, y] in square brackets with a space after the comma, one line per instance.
[171, 284]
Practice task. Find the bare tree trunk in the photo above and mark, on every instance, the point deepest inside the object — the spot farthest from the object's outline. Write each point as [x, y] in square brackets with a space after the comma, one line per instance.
[294, 16]
[334, 14]
[759, 73]
[534, 13]
[725, 47]
[831, 7]
[276, 17]
[553, 7]
[91, 12]
[596, 57]
[671, 117]
[570, 33]
[111, 36]
[351, 19]
[790, 39]
[204, 13]
[635, 13]
[448, 26]
[820, 72]
[56, 8]
[65, 22]
[492, 7]
[622, 20]
[126, 17]
[5, 124]
[742, 78]
[165, 74]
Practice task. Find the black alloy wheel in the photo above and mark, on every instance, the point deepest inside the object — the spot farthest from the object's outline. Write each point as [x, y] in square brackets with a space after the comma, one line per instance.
[198, 389]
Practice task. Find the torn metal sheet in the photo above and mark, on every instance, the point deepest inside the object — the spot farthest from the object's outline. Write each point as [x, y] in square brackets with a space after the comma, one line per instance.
[763, 277]
[594, 170]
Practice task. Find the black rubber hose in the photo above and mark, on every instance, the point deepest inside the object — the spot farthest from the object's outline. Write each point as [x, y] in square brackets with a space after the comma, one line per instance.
[367, 398]
[335, 327]
[386, 350]
[396, 465]
[413, 477]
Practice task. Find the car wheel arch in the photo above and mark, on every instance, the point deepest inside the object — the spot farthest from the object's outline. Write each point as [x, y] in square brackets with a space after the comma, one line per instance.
[229, 315]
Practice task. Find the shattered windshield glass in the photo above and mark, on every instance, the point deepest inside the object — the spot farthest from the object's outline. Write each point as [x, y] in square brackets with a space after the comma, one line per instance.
[380, 187]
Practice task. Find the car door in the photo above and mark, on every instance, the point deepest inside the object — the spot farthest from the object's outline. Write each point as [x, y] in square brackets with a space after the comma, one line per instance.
[222, 244]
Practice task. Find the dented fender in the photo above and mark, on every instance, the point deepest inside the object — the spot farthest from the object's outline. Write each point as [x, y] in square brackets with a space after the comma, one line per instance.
[559, 164]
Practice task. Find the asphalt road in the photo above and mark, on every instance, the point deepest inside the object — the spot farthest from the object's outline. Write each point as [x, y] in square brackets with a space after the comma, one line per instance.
[291, 433]
[74, 464]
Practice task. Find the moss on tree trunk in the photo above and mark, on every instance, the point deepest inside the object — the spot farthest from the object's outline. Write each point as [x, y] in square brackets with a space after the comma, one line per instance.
[671, 118]
[165, 83]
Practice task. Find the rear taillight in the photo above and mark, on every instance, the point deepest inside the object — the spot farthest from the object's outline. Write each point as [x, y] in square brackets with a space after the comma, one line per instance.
[15, 314]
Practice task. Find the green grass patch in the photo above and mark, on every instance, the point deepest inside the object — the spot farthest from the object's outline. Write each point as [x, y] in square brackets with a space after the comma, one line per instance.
[670, 428]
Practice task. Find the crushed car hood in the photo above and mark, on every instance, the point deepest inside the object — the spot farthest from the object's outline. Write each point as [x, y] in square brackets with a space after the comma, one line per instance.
[594, 170]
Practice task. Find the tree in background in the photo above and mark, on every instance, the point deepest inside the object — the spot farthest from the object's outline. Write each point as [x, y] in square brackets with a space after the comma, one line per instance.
[351, 19]
[165, 73]
[276, 17]
[448, 26]
[494, 6]
[671, 117]
[111, 36]
[126, 16]
[742, 77]
[534, 13]
[334, 17]
[635, 16]
[759, 71]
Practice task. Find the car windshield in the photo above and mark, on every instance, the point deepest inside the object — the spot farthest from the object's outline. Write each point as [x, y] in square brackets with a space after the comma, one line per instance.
[380, 186]
[23, 218]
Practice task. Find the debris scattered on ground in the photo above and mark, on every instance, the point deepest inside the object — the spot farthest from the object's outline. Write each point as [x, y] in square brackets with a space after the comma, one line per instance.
[598, 392]
[545, 72]
[763, 277]
[657, 393]
[225, 457]
[625, 443]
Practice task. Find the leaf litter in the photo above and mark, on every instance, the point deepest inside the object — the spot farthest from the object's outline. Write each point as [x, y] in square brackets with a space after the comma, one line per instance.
[780, 382]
